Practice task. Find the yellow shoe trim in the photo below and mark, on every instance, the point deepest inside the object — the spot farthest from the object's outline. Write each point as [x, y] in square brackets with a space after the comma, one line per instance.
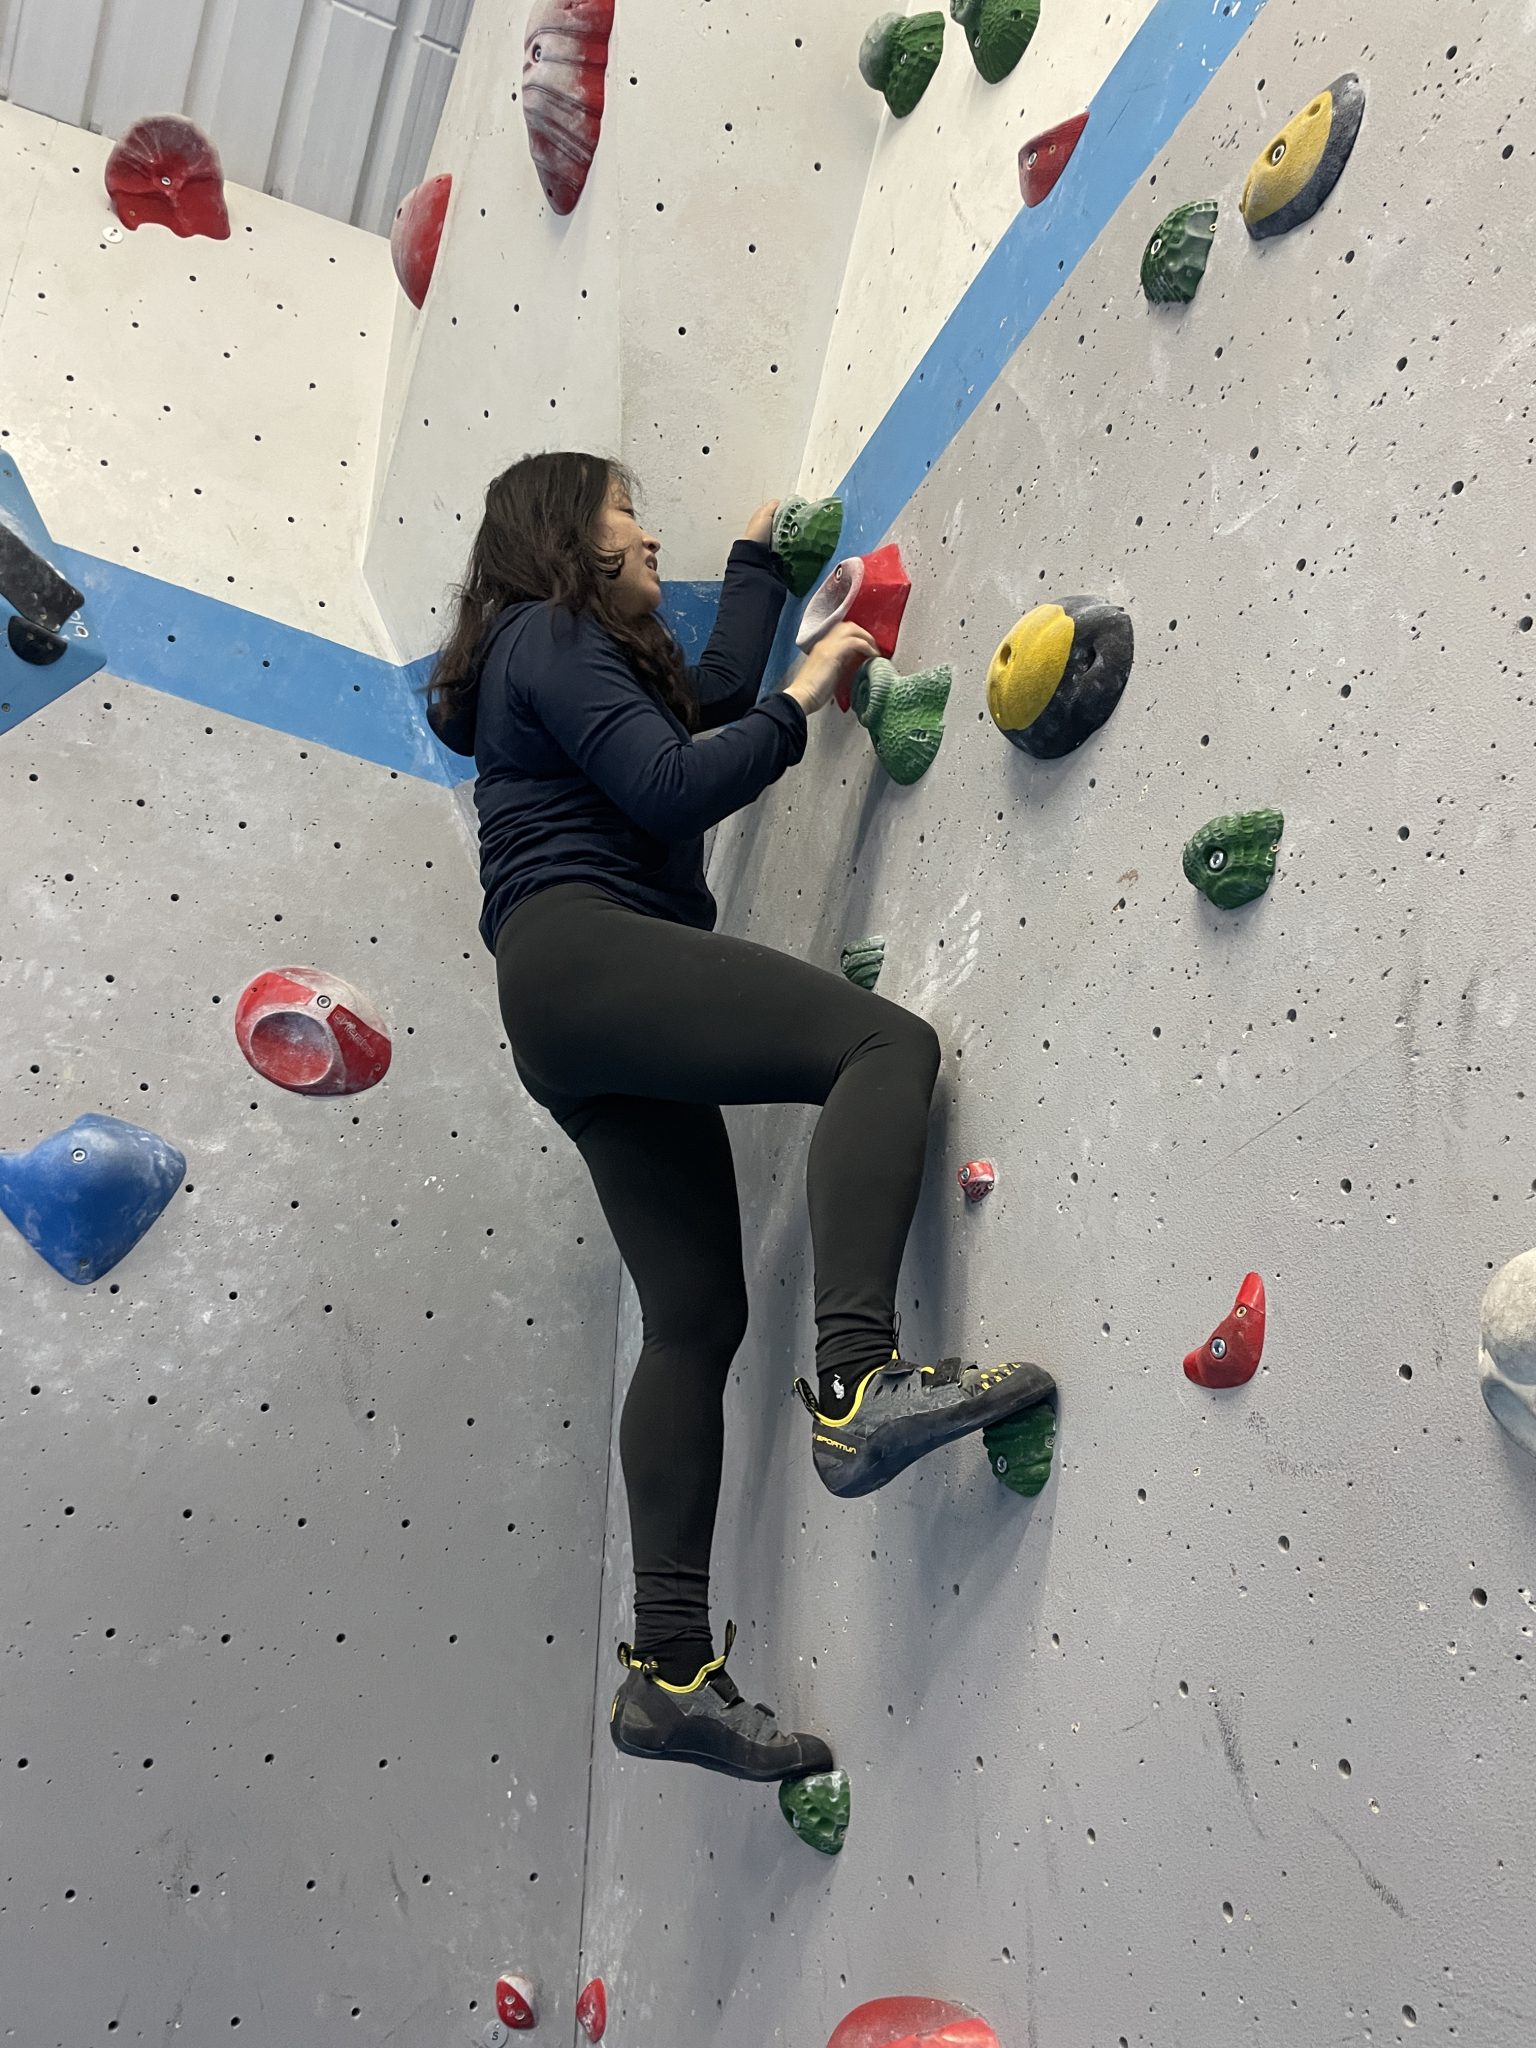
[716, 1664]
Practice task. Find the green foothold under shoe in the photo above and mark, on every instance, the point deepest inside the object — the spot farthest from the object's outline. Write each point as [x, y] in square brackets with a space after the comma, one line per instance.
[806, 532]
[903, 715]
[862, 961]
[817, 1809]
[1178, 252]
[998, 31]
[1019, 1449]
[899, 55]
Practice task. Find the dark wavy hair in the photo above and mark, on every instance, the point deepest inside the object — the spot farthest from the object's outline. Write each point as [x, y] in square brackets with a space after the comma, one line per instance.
[536, 541]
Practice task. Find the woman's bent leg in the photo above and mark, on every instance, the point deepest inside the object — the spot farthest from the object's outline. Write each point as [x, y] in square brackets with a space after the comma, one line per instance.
[600, 999]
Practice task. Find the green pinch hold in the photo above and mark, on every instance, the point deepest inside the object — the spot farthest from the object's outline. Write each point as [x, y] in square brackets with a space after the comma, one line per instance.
[817, 1809]
[806, 532]
[1020, 1447]
[1178, 252]
[903, 715]
[998, 31]
[863, 960]
[898, 56]
[1232, 860]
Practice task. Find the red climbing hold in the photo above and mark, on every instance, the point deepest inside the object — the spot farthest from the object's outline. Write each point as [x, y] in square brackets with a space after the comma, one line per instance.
[592, 2010]
[868, 590]
[308, 1031]
[516, 2006]
[913, 2023]
[1230, 1356]
[417, 233]
[1044, 157]
[565, 66]
[165, 171]
[978, 1177]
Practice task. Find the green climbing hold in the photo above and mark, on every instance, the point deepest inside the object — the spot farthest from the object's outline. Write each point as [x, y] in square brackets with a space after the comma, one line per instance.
[903, 715]
[1232, 860]
[817, 1809]
[899, 54]
[998, 31]
[806, 532]
[1178, 252]
[1019, 1448]
[863, 960]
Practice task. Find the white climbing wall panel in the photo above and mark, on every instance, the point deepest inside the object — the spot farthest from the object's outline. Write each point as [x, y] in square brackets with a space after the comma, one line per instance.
[675, 319]
[204, 411]
[330, 103]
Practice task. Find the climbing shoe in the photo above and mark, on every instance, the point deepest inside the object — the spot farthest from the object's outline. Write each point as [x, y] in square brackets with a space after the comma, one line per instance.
[901, 1411]
[706, 1722]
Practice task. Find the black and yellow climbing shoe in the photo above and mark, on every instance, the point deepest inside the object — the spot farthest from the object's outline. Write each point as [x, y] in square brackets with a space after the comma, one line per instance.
[707, 1722]
[901, 1411]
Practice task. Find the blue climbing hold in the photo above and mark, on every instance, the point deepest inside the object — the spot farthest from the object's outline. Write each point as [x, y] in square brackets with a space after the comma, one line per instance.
[47, 646]
[84, 1197]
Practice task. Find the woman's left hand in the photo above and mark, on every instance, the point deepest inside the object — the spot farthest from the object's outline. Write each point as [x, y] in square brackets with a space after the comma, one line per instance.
[760, 526]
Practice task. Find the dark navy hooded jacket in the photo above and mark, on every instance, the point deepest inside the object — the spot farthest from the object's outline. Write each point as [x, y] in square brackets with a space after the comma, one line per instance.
[586, 776]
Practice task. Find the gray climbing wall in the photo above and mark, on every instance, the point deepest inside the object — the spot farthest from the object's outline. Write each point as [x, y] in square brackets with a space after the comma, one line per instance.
[302, 1503]
[1226, 1737]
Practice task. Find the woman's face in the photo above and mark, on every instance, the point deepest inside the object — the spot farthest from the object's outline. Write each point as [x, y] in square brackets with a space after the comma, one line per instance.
[637, 587]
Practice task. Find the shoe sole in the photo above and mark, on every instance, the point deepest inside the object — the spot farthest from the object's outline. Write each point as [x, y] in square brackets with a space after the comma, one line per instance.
[901, 1444]
[713, 1763]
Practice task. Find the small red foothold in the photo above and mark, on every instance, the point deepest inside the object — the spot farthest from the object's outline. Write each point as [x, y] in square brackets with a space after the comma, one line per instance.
[1044, 157]
[417, 234]
[592, 2010]
[1230, 1356]
[516, 2006]
[166, 172]
[978, 1177]
[310, 1032]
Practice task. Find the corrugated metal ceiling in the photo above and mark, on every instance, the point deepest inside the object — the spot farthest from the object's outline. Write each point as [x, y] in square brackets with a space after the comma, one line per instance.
[333, 104]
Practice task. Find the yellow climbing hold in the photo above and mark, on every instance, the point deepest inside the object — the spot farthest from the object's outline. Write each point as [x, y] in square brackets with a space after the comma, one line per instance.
[1288, 163]
[1028, 666]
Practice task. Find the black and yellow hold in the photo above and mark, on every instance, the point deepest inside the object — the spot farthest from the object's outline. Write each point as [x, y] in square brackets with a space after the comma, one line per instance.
[1059, 675]
[1299, 168]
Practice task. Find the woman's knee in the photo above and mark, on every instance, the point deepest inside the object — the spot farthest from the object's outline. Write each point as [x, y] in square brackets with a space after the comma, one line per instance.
[924, 1041]
[712, 1322]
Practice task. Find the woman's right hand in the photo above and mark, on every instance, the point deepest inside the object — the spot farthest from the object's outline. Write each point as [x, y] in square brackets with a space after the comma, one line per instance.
[839, 654]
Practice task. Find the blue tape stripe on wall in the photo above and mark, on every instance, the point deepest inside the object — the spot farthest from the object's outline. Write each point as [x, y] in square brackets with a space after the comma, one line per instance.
[279, 676]
[230, 660]
[254, 668]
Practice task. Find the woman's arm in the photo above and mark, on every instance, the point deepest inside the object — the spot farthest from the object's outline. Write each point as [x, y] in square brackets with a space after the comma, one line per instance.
[583, 693]
[730, 670]
[456, 727]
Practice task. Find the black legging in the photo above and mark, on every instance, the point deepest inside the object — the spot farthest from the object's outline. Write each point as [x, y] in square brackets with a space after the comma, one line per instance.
[632, 1030]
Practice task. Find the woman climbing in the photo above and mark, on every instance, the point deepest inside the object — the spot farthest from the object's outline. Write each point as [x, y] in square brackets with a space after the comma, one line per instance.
[631, 1020]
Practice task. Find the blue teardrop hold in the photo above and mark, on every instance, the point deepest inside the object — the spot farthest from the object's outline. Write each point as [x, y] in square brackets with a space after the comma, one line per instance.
[84, 1197]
